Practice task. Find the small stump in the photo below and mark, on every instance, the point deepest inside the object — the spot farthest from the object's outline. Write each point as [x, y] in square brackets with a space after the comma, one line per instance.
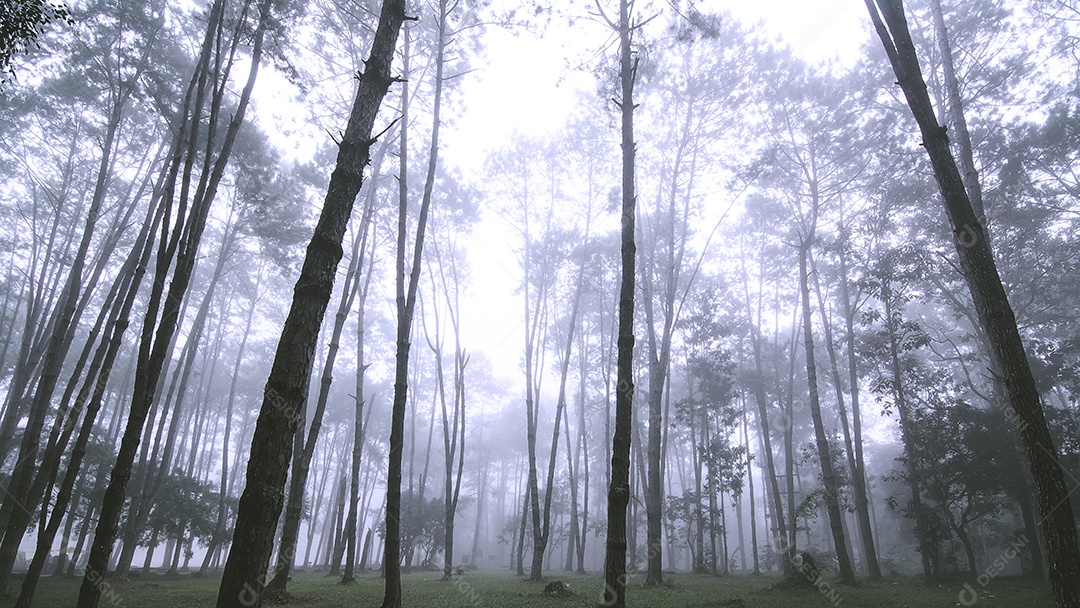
[557, 589]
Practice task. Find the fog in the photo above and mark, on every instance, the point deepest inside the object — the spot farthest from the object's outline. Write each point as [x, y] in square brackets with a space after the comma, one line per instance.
[285, 293]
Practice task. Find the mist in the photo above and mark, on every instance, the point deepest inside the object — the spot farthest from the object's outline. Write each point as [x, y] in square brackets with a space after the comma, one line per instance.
[486, 302]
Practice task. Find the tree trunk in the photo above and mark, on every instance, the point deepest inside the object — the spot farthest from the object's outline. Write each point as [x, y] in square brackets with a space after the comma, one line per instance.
[406, 304]
[277, 587]
[970, 175]
[750, 488]
[619, 491]
[828, 473]
[862, 509]
[862, 501]
[359, 422]
[260, 505]
[141, 506]
[583, 470]
[761, 398]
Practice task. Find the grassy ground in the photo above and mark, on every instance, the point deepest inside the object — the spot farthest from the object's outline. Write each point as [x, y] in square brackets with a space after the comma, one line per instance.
[503, 590]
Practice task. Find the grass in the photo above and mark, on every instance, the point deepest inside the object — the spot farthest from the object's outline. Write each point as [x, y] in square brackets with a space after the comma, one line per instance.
[504, 590]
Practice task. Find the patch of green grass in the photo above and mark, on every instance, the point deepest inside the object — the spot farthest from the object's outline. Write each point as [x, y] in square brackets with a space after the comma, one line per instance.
[504, 590]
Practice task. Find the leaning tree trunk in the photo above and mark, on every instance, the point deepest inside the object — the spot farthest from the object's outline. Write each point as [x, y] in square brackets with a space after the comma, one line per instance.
[828, 472]
[970, 174]
[271, 447]
[862, 509]
[290, 533]
[619, 490]
[996, 316]
[152, 354]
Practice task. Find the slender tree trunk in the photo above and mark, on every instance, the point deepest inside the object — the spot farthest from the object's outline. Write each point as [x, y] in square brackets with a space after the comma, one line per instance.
[218, 537]
[337, 555]
[862, 501]
[583, 441]
[750, 488]
[619, 491]
[761, 399]
[828, 473]
[572, 478]
[521, 534]
[957, 121]
[359, 425]
[139, 512]
[406, 304]
[862, 509]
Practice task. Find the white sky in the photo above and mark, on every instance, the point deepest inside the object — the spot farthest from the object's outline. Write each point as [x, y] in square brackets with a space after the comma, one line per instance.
[526, 86]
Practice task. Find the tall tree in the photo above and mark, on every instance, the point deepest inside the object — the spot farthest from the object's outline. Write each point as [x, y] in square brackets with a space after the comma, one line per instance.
[181, 250]
[619, 489]
[405, 299]
[996, 317]
[271, 447]
[824, 452]
[301, 466]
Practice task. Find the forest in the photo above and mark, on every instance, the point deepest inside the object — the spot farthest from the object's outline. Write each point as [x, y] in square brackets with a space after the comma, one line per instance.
[512, 303]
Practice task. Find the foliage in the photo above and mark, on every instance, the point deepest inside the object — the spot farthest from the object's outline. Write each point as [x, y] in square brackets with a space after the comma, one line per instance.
[21, 23]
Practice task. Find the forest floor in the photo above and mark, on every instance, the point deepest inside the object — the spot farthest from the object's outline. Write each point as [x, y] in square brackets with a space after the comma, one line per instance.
[504, 590]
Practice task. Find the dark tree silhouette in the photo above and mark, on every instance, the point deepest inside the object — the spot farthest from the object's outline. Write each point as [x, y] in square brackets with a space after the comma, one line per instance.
[995, 313]
[271, 447]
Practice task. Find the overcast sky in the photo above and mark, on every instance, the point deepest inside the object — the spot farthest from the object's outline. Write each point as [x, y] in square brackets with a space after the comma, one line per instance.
[527, 86]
